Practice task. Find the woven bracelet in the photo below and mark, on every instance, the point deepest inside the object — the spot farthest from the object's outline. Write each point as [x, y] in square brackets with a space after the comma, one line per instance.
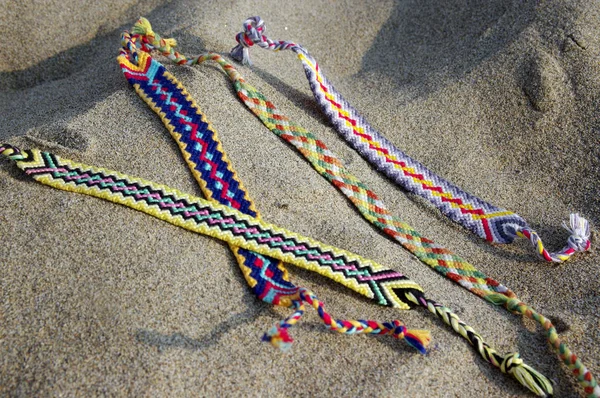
[203, 153]
[209, 218]
[328, 165]
[492, 223]
[168, 98]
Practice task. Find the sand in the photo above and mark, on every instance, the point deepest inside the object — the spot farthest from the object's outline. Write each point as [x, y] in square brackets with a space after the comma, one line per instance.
[97, 299]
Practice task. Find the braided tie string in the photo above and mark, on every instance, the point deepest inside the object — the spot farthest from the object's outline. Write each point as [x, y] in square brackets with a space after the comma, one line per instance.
[510, 363]
[209, 218]
[578, 241]
[445, 262]
[492, 223]
[316, 152]
[579, 370]
[331, 167]
[279, 337]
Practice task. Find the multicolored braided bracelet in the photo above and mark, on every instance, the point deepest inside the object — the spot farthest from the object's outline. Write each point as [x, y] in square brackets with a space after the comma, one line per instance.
[366, 277]
[167, 97]
[210, 166]
[365, 200]
[492, 223]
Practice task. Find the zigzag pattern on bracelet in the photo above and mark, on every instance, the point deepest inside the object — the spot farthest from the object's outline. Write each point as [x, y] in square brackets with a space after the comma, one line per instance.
[217, 179]
[322, 159]
[210, 167]
[225, 223]
[364, 276]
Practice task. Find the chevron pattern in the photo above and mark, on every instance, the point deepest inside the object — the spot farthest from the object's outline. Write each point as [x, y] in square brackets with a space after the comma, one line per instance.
[208, 163]
[490, 222]
[372, 280]
[365, 200]
[317, 153]
[210, 218]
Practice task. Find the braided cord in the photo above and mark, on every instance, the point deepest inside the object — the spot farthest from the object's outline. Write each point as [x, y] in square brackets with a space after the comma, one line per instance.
[326, 163]
[585, 378]
[482, 218]
[492, 223]
[209, 218]
[278, 335]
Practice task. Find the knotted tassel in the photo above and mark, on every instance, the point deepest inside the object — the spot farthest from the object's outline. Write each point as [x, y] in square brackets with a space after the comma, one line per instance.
[526, 375]
[580, 233]
[143, 28]
[150, 39]
[201, 216]
[578, 241]
[279, 336]
[510, 363]
[253, 33]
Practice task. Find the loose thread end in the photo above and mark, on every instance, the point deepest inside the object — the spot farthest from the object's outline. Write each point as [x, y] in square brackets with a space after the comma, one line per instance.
[142, 27]
[418, 338]
[170, 42]
[511, 364]
[279, 338]
[578, 241]
[241, 54]
[527, 376]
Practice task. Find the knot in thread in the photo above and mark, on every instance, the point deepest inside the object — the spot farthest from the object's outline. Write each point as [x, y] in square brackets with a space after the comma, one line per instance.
[511, 360]
[580, 233]
[511, 229]
[578, 243]
[398, 329]
[142, 27]
[252, 32]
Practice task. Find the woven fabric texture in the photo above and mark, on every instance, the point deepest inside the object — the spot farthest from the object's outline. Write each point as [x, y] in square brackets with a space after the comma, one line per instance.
[208, 163]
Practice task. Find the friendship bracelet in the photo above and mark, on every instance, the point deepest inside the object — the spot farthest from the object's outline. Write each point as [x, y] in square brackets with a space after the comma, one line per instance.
[492, 223]
[365, 200]
[213, 219]
[168, 98]
[210, 166]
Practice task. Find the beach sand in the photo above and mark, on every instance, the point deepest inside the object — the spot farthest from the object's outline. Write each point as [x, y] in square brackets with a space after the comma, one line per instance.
[97, 299]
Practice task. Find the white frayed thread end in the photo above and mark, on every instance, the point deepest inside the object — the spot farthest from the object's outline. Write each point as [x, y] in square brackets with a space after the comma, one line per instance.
[241, 54]
[579, 229]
